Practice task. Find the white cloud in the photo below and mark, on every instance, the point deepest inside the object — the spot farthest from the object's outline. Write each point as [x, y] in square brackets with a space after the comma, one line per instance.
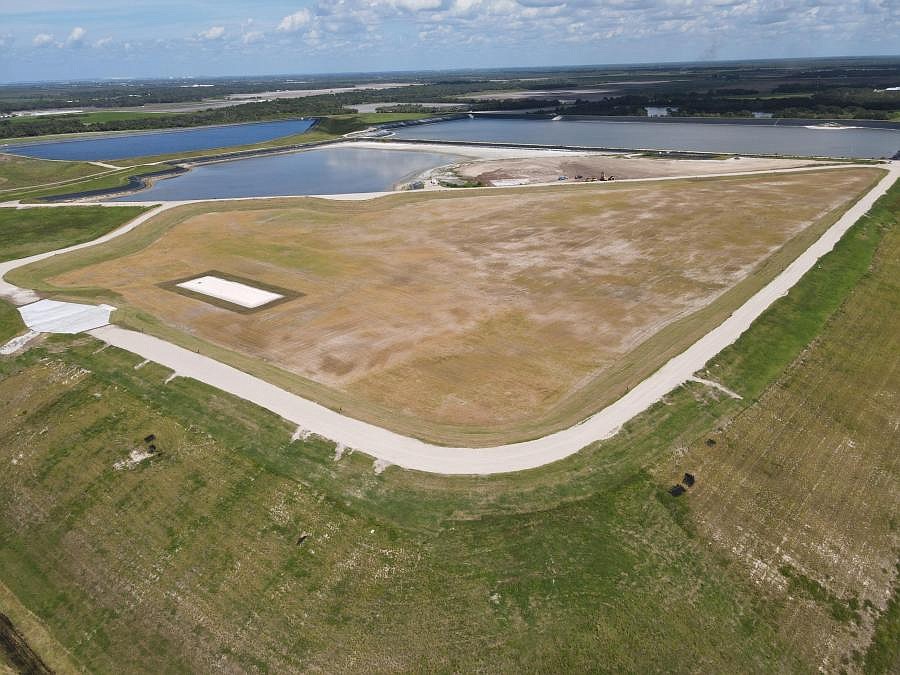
[212, 33]
[294, 22]
[76, 37]
[42, 40]
[252, 36]
[103, 42]
[416, 5]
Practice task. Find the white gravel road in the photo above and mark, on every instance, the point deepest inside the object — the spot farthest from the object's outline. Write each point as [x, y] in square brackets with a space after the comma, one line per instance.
[389, 447]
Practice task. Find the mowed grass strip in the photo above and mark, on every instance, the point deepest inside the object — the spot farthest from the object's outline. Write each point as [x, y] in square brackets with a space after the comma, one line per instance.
[25, 232]
[803, 487]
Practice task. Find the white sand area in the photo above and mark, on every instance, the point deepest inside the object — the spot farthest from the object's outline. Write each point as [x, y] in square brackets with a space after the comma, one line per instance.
[230, 291]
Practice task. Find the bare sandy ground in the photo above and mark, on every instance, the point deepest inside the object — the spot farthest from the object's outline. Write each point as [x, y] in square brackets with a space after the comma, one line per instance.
[473, 151]
[405, 304]
[389, 447]
[541, 168]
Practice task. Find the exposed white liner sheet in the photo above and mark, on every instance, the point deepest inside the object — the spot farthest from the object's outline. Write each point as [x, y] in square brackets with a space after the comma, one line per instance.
[51, 316]
[230, 291]
[18, 342]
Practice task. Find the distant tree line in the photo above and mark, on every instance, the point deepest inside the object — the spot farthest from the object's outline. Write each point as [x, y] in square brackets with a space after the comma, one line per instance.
[285, 108]
[833, 103]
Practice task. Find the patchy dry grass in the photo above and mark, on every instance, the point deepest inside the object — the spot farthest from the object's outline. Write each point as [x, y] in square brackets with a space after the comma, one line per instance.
[469, 318]
[190, 560]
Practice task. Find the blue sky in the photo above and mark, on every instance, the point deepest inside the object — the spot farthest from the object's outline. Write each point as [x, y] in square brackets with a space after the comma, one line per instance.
[67, 39]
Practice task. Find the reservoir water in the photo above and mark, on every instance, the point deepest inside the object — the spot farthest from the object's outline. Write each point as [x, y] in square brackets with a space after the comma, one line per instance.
[696, 137]
[143, 144]
[333, 170]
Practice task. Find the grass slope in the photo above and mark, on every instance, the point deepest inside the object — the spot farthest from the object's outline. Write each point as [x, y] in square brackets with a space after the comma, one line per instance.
[804, 487]
[23, 172]
[10, 322]
[118, 563]
[193, 559]
[25, 232]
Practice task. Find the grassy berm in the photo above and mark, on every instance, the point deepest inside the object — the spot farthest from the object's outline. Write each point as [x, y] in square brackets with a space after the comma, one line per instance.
[232, 548]
[25, 232]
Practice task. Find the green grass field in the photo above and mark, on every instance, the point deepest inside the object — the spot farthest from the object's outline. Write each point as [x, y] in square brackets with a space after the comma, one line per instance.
[804, 486]
[233, 548]
[24, 232]
[107, 179]
[22, 172]
[10, 322]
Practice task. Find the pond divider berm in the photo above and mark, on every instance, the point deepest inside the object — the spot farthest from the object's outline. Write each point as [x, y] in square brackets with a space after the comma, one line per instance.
[139, 182]
[670, 154]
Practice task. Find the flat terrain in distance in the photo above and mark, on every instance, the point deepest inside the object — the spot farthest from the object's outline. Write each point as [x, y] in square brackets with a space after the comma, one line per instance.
[477, 311]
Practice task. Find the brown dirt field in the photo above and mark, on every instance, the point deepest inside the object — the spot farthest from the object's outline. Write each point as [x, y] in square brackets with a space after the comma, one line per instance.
[476, 310]
[547, 169]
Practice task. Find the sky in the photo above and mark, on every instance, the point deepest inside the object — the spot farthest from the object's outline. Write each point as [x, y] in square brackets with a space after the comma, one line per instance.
[87, 39]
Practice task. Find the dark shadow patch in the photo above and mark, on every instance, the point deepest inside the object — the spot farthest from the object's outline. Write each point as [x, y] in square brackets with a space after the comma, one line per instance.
[17, 651]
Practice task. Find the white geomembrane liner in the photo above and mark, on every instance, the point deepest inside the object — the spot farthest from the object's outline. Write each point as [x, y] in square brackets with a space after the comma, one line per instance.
[230, 291]
[51, 316]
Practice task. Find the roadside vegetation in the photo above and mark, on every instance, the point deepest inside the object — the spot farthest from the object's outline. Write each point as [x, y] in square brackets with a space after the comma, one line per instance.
[231, 546]
[803, 487]
[10, 322]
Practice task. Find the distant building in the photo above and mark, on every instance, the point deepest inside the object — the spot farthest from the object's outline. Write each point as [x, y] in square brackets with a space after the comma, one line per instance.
[656, 111]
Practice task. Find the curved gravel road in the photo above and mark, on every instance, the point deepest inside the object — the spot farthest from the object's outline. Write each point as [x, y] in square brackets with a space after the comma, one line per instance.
[392, 448]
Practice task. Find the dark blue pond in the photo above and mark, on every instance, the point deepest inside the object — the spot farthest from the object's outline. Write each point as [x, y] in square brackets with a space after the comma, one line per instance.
[143, 144]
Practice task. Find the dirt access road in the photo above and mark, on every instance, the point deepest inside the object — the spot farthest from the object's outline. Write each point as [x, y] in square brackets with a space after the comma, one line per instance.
[390, 448]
